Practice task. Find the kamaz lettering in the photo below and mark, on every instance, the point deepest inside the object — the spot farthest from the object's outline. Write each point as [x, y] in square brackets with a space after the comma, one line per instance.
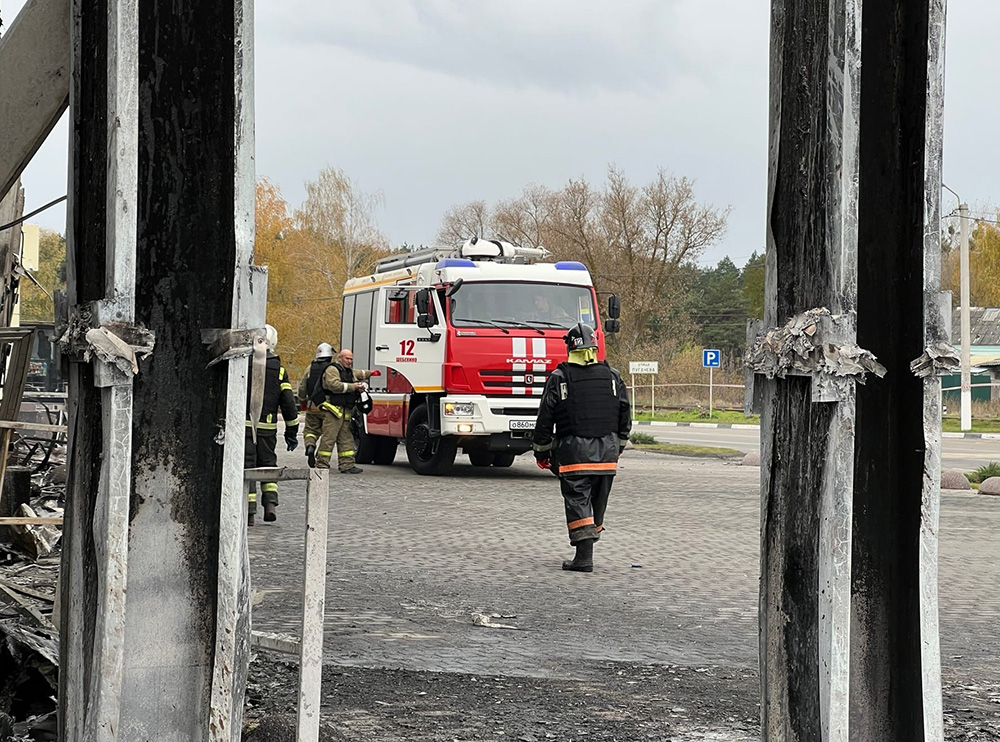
[545, 361]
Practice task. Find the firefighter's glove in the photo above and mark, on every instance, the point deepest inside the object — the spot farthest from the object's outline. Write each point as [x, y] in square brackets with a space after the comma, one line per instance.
[292, 441]
[543, 463]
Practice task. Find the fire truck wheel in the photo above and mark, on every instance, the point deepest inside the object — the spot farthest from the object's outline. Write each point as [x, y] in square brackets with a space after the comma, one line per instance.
[385, 449]
[480, 458]
[427, 455]
[503, 460]
[364, 445]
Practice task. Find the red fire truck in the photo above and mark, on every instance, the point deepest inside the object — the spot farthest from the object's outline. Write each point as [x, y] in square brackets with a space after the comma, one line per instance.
[465, 339]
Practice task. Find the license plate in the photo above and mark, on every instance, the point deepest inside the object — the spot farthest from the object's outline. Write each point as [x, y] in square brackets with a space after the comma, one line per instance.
[522, 424]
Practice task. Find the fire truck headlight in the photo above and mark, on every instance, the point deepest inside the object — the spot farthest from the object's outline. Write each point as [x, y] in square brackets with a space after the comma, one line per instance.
[460, 409]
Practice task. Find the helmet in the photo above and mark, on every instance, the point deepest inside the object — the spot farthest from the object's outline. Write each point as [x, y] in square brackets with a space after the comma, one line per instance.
[580, 336]
[365, 402]
[324, 350]
[270, 337]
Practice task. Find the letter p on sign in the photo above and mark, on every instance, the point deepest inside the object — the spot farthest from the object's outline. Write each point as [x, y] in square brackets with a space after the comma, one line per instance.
[711, 358]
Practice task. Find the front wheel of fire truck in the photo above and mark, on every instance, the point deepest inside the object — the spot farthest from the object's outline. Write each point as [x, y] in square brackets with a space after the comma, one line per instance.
[480, 458]
[427, 454]
[503, 460]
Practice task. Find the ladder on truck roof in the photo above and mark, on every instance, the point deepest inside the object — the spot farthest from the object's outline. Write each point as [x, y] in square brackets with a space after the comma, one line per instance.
[417, 257]
[475, 249]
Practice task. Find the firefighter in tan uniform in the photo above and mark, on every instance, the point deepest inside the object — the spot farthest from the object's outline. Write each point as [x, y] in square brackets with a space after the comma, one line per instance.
[340, 387]
[311, 386]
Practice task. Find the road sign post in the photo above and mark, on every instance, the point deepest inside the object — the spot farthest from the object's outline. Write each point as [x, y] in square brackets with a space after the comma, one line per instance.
[711, 359]
[645, 367]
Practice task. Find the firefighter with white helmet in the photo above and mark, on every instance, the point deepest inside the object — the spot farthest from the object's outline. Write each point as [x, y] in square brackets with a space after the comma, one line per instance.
[333, 397]
[584, 420]
[261, 453]
[308, 386]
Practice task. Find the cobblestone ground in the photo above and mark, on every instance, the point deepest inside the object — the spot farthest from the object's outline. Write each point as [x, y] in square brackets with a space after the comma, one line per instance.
[668, 618]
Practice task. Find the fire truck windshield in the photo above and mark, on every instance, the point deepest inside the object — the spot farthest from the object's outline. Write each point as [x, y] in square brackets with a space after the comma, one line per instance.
[537, 305]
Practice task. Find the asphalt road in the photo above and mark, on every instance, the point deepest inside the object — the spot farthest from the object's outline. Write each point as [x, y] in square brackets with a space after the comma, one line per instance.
[964, 454]
[437, 585]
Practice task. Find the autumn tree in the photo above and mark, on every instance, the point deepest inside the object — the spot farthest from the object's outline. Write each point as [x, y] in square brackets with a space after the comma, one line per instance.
[310, 254]
[635, 239]
[36, 300]
[984, 263]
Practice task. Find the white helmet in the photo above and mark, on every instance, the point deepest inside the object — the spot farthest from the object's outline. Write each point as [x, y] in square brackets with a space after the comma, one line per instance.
[324, 350]
[270, 337]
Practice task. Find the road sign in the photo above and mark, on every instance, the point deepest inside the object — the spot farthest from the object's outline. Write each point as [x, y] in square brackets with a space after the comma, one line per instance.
[644, 367]
[711, 358]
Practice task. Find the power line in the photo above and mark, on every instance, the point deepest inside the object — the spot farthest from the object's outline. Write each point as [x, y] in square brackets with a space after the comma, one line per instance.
[36, 211]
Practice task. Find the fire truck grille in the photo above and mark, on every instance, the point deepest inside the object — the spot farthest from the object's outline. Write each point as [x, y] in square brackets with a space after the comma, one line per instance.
[513, 381]
[514, 411]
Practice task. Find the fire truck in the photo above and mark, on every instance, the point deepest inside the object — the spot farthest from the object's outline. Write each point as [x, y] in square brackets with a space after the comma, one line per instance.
[465, 339]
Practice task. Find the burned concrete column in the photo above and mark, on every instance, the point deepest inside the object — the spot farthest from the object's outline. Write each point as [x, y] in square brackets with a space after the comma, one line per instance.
[161, 241]
[850, 470]
[807, 423]
[895, 666]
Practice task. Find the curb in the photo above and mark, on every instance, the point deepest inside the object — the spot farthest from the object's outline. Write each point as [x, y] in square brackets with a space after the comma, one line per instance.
[744, 426]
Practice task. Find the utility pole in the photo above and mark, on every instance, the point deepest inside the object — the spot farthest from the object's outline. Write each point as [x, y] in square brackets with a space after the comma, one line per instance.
[963, 217]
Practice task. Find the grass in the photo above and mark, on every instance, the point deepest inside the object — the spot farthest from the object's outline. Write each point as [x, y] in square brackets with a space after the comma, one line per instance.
[954, 425]
[695, 416]
[682, 450]
[983, 473]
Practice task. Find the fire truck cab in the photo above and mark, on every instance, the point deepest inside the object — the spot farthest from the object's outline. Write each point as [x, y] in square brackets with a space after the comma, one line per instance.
[465, 340]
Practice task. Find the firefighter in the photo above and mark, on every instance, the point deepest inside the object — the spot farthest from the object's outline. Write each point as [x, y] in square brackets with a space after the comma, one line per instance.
[340, 389]
[584, 419]
[277, 393]
[311, 386]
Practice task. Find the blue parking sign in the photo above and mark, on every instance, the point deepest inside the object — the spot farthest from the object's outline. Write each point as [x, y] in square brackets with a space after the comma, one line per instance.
[711, 358]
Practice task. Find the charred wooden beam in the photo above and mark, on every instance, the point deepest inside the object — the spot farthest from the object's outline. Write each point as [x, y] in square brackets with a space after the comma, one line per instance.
[895, 678]
[161, 244]
[850, 471]
[807, 441]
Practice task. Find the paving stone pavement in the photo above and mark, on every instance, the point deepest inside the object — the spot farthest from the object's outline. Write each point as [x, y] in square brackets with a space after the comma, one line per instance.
[412, 559]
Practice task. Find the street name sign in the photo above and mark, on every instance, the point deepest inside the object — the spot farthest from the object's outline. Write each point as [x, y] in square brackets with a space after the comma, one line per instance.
[644, 367]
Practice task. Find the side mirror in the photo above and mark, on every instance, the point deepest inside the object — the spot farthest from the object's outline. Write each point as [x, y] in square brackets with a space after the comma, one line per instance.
[614, 307]
[424, 302]
[454, 287]
[611, 326]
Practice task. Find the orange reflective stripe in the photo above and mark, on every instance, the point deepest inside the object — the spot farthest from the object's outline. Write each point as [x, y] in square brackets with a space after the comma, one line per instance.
[573, 525]
[600, 528]
[605, 466]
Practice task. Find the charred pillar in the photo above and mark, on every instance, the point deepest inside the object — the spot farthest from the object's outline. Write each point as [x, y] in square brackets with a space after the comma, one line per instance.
[895, 667]
[807, 416]
[850, 470]
[161, 238]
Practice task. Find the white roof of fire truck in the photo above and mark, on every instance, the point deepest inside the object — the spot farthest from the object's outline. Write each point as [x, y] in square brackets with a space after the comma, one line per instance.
[476, 260]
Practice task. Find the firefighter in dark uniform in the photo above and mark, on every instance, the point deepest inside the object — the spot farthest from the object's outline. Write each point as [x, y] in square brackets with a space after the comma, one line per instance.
[336, 398]
[311, 386]
[583, 424]
[277, 393]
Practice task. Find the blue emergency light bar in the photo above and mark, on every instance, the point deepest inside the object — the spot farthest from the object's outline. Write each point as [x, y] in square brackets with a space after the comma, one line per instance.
[570, 265]
[454, 263]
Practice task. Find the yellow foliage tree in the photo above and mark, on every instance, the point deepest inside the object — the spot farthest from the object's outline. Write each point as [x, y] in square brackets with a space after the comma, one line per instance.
[36, 304]
[331, 237]
[984, 265]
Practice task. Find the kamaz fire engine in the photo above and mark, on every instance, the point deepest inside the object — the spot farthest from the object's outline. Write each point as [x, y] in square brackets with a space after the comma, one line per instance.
[465, 339]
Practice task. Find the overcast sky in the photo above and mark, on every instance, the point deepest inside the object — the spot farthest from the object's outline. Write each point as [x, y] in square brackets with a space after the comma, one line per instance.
[440, 102]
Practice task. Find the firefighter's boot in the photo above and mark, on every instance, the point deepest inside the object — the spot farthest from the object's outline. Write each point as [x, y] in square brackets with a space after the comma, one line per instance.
[269, 514]
[250, 519]
[311, 456]
[584, 559]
